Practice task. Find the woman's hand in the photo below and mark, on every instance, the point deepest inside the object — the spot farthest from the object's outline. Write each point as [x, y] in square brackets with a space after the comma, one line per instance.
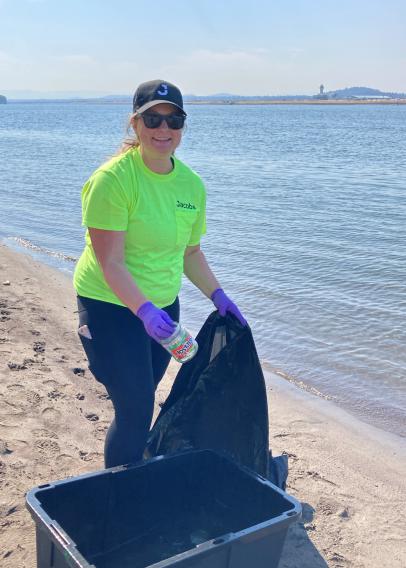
[224, 304]
[158, 324]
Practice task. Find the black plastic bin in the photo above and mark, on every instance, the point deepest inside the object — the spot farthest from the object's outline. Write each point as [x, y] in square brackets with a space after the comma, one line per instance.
[195, 509]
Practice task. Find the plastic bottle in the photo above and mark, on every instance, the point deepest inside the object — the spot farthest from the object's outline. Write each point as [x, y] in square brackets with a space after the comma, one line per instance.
[181, 344]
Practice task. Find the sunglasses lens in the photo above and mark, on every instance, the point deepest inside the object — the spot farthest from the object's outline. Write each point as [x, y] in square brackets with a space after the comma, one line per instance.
[154, 120]
[175, 121]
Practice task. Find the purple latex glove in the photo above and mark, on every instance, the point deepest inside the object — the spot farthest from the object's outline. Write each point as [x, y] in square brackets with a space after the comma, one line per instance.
[224, 304]
[158, 324]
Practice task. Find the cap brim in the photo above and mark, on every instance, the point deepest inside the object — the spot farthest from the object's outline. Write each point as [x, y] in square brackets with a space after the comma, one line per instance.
[157, 102]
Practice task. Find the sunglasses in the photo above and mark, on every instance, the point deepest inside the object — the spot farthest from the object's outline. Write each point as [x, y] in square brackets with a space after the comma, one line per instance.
[154, 120]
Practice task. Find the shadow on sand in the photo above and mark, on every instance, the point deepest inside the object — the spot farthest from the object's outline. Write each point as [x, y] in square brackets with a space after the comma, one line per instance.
[299, 551]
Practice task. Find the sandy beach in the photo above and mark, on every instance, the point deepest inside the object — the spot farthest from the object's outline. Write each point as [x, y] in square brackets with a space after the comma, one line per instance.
[349, 476]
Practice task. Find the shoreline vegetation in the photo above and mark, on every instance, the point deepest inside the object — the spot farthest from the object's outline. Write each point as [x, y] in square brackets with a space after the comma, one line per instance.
[350, 477]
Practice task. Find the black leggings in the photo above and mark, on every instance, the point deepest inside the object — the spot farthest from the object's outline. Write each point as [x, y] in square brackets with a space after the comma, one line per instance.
[130, 365]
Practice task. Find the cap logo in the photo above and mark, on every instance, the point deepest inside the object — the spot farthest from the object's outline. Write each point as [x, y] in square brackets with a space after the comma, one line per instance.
[163, 91]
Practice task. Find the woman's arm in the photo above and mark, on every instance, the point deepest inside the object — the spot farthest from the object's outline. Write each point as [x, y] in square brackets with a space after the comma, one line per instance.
[109, 249]
[198, 271]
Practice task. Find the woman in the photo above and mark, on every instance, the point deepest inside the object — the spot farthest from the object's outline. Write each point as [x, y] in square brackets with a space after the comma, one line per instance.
[145, 214]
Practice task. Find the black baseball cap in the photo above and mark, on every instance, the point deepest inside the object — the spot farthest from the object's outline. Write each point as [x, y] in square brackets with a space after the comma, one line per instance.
[156, 92]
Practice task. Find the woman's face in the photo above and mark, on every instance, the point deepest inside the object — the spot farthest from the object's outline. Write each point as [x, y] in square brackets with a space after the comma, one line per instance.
[158, 142]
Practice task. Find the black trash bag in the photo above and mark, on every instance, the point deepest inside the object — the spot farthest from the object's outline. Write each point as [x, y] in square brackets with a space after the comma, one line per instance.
[218, 399]
[278, 470]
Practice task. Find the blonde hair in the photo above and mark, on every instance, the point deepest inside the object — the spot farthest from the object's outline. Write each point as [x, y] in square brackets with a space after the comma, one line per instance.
[131, 140]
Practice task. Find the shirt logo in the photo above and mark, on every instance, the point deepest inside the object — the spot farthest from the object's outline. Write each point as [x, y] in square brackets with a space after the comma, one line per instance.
[181, 205]
[163, 91]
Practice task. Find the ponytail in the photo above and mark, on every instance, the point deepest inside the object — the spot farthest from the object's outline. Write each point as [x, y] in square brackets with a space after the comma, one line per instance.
[130, 141]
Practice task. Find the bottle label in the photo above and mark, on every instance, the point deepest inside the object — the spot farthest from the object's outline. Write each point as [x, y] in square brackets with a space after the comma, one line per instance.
[182, 347]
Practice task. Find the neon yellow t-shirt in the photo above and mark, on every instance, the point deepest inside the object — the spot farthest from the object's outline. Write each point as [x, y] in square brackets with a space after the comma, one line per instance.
[161, 215]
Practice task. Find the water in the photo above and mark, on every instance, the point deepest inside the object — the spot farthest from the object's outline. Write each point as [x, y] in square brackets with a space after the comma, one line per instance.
[306, 228]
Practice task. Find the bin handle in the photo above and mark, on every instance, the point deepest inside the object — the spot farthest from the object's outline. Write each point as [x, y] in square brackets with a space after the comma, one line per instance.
[69, 549]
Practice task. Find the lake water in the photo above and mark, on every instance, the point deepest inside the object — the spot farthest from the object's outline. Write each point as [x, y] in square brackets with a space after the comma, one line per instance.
[306, 228]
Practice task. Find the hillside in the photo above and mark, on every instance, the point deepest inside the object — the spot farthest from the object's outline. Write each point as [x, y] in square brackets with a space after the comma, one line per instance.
[350, 92]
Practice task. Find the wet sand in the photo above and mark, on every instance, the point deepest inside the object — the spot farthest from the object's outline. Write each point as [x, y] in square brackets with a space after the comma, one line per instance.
[350, 477]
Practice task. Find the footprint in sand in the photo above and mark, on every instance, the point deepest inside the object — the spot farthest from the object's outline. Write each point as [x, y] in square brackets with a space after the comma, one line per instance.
[18, 444]
[51, 414]
[9, 425]
[33, 398]
[45, 446]
[20, 465]
[64, 460]
[42, 433]
[22, 399]
[12, 409]
[50, 383]
[15, 387]
[329, 506]
[100, 431]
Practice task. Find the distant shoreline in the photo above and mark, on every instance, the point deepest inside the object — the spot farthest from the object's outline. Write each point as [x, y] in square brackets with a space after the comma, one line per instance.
[227, 102]
[303, 102]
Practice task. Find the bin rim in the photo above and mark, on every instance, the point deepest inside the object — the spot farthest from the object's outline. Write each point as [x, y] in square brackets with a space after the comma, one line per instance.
[66, 544]
[33, 502]
[142, 463]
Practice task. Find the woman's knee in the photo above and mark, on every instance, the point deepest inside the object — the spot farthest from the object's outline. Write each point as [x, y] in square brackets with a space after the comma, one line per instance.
[133, 407]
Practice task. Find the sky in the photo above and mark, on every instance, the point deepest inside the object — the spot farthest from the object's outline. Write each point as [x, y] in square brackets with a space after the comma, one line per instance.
[250, 47]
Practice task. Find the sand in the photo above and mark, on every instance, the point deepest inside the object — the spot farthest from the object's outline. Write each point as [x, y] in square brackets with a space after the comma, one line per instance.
[350, 477]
